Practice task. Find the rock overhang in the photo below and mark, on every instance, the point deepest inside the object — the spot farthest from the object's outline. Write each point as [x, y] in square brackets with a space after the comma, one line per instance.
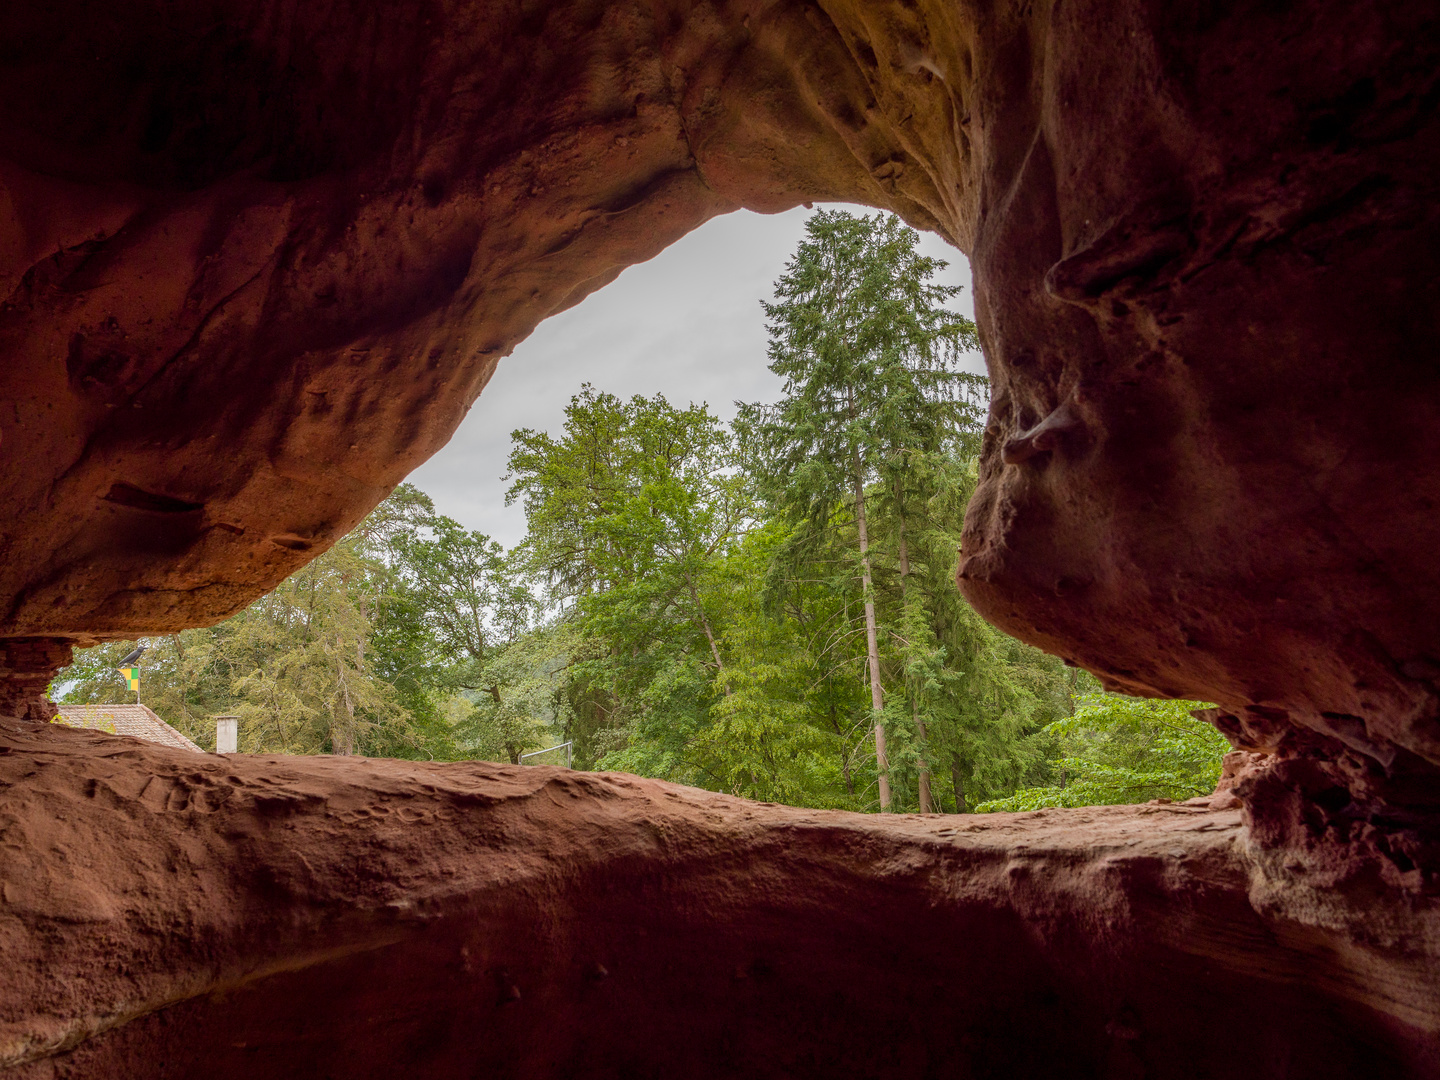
[256, 264]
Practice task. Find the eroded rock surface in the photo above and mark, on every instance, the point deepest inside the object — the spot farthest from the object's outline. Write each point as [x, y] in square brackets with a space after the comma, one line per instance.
[168, 916]
[1209, 307]
[256, 261]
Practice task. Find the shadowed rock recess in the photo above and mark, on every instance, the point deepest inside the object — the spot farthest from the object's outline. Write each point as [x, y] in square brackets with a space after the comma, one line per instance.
[258, 257]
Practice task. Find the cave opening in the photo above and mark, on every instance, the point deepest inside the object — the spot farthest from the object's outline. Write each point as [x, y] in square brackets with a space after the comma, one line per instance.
[257, 263]
[686, 324]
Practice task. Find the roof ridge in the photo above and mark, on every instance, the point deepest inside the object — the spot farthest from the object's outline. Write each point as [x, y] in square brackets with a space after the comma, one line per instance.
[140, 720]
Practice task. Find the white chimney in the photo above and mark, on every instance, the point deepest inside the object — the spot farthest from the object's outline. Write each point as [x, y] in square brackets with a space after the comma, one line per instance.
[227, 734]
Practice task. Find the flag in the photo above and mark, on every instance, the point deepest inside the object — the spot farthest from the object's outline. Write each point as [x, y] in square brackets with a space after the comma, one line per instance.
[132, 677]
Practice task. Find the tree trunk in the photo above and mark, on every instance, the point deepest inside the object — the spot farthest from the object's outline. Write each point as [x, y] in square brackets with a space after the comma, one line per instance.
[872, 645]
[709, 636]
[844, 752]
[342, 736]
[926, 804]
[959, 782]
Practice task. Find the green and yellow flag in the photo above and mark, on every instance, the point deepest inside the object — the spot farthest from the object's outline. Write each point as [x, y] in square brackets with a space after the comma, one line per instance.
[132, 677]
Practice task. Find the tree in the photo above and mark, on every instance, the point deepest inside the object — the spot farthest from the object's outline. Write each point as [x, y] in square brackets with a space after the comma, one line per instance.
[523, 705]
[869, 353]
[628, 511]
[785, 731]
[471, 594]
[295, 666]
[362, 651]
[1117, 749]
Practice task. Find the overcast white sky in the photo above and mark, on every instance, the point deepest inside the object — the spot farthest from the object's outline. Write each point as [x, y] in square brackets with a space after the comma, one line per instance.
[687, 324]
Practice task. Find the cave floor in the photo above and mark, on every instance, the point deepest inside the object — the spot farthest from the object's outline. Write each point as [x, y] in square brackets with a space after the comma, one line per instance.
[170, 915]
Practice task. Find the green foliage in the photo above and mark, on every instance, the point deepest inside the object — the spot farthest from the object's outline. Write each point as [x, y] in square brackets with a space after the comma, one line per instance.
[630, 488]
[698, 602]
[791, 723]
[368, 649]
[1126, 750]
[523, 705]
[868, 459]
[630, 511]
[870, 357]
[294, 666]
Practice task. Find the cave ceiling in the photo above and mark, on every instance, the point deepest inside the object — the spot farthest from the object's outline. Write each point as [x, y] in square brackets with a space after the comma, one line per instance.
[259, 257]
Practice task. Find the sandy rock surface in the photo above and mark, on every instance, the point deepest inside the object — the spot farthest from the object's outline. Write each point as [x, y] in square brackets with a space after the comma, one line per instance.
[168, 915]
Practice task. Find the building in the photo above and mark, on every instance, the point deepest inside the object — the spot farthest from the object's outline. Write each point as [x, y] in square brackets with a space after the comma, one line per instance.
[136, 721]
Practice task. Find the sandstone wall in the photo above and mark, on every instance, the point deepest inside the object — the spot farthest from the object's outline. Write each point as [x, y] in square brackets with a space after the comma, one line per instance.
[257, 258]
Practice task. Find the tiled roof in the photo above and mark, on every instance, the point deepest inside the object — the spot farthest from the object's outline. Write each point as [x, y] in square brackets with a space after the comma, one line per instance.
[136, 721]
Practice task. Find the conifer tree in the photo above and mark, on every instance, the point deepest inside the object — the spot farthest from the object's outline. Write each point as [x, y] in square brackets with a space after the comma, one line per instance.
[869, 352]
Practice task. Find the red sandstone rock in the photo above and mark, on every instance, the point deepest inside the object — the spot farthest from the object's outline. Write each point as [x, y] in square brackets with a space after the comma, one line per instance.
[1235, 767]
[26, 668]
[1218, 292]
[256, 261]
[168, 916]
[254, 268]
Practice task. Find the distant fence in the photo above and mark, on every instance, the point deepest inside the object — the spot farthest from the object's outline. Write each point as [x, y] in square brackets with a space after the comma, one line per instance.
[566, 746]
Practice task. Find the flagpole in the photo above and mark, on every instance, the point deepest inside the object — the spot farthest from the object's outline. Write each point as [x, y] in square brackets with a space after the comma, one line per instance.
[132, 674]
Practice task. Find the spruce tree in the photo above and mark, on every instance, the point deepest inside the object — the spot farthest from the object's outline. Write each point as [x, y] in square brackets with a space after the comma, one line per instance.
[869, 353]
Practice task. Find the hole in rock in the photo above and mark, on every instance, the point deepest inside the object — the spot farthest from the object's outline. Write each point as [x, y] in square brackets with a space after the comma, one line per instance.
[687, 324]
[135, 498]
